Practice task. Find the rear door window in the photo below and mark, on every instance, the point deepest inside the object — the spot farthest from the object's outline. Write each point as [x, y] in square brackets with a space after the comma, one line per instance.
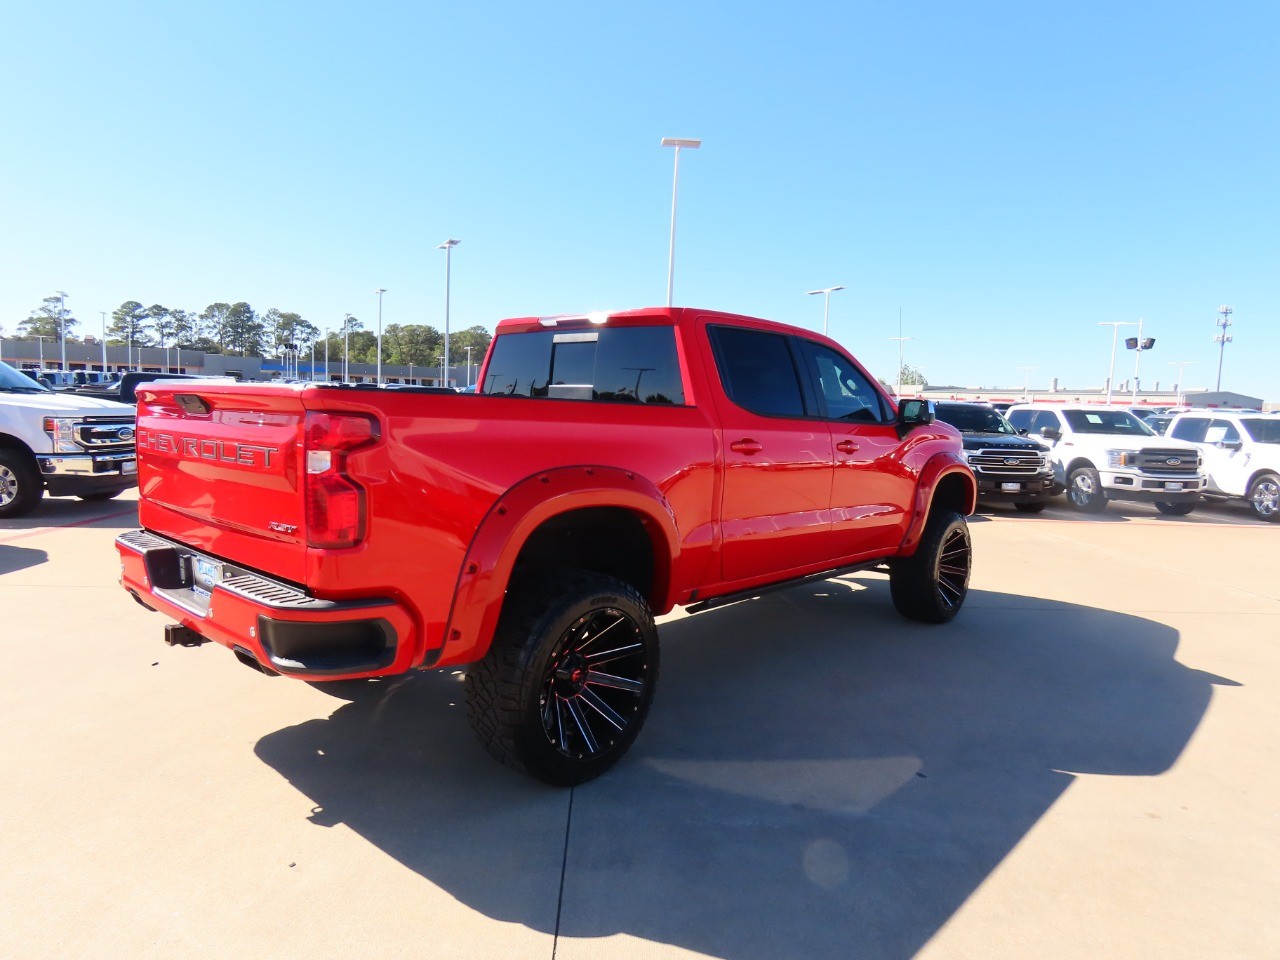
[621, 364]
[758, 371]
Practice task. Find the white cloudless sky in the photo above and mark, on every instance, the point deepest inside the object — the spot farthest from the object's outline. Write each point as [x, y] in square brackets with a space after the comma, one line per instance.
[1004, 176]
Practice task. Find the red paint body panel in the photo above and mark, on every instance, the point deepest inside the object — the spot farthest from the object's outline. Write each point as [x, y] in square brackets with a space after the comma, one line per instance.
[455, 485]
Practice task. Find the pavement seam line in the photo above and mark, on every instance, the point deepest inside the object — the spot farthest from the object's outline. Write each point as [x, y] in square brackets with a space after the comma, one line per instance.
[564, 867]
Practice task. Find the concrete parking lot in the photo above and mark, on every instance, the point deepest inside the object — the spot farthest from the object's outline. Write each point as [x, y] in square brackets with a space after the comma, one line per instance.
[1082, 765]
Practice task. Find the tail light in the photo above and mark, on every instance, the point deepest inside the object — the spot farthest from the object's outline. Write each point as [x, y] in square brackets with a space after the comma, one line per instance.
[336, 508]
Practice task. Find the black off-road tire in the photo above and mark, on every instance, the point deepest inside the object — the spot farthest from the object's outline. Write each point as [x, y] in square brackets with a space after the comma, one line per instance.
[569, 677]
[1084, 491]
[1035, 506]
[1175, 509]
[931, 585]
[20, 484]
[1264, 497]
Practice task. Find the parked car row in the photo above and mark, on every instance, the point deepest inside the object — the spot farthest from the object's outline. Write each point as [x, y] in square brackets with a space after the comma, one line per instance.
[1098, 454]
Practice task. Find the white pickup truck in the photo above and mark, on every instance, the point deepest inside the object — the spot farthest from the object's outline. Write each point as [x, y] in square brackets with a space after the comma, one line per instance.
[1105, 453]
[1241, 453]
[60, 442]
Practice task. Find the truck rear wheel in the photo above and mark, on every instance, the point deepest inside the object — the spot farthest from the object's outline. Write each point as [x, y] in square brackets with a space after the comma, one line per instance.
[930, 586]
[1264, 497]
[569, 677]
[20, 486]
[1084, 491]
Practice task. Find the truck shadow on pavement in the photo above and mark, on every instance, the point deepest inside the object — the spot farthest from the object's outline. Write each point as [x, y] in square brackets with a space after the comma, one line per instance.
[818, 777]
[13, 559]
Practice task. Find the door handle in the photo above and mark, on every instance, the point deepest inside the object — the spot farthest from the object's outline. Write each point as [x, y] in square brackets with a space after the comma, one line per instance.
[847, 446]
[746, 446]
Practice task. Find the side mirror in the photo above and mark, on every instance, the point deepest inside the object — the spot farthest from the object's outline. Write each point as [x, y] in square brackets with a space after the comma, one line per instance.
[1051, 433]
[914, 413]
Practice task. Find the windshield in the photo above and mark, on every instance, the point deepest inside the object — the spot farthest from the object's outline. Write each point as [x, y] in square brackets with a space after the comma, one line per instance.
[12, 380]
[1107, 421]
[1263, 430]
[974, 419]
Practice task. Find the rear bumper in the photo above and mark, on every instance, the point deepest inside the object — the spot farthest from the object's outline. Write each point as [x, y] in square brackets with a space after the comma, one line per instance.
[275, 623]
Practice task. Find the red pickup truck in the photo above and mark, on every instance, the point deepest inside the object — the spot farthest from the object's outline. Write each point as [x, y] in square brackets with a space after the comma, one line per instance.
[609, 468]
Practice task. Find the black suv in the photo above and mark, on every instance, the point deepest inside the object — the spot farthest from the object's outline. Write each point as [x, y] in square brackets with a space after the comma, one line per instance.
[1009, 467]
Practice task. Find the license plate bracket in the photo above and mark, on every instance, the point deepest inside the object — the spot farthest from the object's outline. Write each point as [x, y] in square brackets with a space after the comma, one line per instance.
[1010, 487]
[206, 574]
[1172, 486]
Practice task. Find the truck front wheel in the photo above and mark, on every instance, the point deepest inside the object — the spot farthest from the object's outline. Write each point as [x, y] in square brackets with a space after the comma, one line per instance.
[569, 677]
[931, 585]
[20, 486]
[1175, 509]
[1084, 491]
[1264, 497]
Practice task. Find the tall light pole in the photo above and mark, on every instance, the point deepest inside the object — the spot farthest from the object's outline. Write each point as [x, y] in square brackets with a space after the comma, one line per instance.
[62, 325]
[1026, 380]
[42, 340]
[675, 190]
[897, 390]
[447, 247]
[1137, 345]
[826, 306]
[346, 341]
[326, 356]
[1182, 368]
[468, 365]
[1222, 339]
[104, 345]
[1115, 326]
[380, 291]
[440, 360]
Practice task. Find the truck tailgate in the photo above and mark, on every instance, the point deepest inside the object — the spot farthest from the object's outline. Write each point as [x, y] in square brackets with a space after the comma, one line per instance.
[220, 468]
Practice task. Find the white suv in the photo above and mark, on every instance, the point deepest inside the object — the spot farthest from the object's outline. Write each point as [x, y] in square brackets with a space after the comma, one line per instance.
[1241, 453]
[1106, 453]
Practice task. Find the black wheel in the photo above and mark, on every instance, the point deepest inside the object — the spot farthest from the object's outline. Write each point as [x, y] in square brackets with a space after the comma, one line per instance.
[931, 585]
[1084, 491]
[1264, 497]
[568, 680]
[20, 485]
[1176, 509]
[100, 495]
[1036, 507]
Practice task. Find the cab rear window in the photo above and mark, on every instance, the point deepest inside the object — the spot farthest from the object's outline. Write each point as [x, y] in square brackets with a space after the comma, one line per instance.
[620, 364]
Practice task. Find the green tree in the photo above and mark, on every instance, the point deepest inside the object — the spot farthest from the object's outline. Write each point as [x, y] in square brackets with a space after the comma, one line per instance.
[477, 338]
[910, 375]
[213, 324]
[160, 319]
[50, 319]
[244, 332]
[129, 325]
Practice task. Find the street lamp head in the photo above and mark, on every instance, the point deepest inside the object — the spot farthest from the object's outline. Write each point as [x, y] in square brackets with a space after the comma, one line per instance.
[448, 244]
[677, 142]
[824, 290]
[380, 291]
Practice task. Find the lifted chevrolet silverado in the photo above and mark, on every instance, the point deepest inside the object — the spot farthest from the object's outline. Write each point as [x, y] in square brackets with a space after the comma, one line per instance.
[609, 468]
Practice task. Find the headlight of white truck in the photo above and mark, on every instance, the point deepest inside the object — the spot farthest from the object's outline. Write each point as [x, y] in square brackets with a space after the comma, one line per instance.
[61, 431]
[1122, 458]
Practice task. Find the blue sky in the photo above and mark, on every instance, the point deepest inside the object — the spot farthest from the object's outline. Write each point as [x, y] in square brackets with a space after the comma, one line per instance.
[1007, 175]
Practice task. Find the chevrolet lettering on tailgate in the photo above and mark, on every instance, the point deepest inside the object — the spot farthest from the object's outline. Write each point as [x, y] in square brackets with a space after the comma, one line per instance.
[195, 448]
